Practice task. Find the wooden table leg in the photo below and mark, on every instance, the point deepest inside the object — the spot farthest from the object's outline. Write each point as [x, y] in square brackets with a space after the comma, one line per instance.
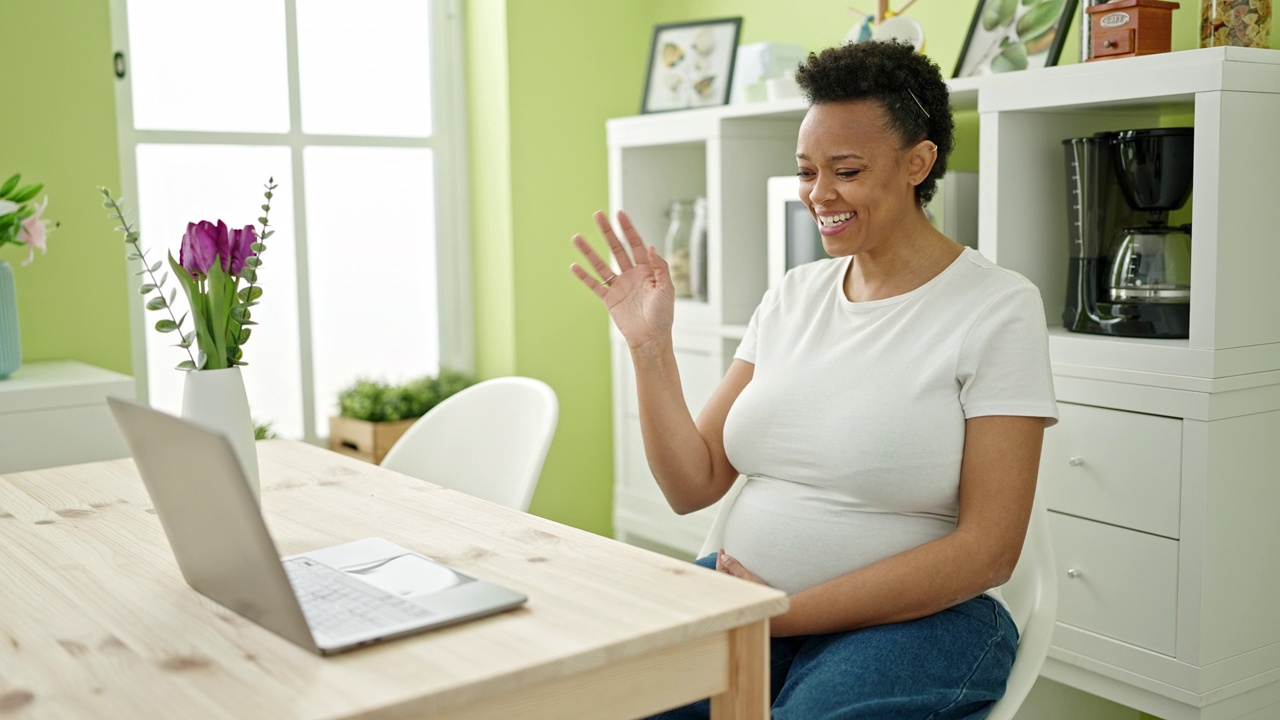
[748, 695]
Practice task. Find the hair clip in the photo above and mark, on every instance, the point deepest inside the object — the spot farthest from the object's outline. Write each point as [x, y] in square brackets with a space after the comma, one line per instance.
[918, 103]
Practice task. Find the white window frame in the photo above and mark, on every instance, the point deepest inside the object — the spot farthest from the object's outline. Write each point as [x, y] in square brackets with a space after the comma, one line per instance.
[448, 143]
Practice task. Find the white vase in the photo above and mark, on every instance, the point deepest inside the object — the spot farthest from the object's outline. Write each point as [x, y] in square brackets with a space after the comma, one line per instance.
[217, 400]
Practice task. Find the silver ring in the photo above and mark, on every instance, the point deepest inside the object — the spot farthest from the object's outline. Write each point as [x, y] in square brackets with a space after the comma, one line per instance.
[611, 279]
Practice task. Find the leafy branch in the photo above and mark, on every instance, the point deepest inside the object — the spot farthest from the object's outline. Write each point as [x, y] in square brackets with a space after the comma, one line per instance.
[159, 302]
[241, 316]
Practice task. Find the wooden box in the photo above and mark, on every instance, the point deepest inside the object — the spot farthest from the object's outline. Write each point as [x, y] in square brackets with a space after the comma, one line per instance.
[1127, 28]
[368, 441]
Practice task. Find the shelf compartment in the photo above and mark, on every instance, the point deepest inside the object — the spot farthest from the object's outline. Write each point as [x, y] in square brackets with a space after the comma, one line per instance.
[1023, 221]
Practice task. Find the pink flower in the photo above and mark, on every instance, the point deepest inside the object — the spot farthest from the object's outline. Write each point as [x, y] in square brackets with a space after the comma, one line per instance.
[34, 233]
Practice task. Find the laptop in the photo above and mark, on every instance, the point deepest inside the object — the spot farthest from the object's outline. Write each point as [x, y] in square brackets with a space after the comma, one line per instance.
[326, 601]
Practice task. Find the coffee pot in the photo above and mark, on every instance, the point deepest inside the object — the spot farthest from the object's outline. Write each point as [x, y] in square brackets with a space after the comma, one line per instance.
[1130, 271]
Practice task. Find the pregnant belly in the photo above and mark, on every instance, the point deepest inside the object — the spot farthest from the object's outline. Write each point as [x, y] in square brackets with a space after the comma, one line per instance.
[796, 536]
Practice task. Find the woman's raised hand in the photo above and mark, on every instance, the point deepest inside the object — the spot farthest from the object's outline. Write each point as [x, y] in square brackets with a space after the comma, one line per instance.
[639, 297]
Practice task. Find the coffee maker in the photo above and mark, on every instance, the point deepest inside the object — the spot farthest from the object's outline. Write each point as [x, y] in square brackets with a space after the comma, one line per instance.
[1129, 272]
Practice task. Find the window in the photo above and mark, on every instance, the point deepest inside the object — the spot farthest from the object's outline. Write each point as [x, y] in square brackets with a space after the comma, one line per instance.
[353, 109]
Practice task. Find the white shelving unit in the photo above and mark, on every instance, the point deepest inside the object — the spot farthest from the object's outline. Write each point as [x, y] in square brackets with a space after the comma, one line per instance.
[1163, 476]
[55, 412]
[653, 160]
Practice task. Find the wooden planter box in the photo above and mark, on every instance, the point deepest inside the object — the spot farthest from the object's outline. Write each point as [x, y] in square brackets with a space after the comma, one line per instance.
[368, 441]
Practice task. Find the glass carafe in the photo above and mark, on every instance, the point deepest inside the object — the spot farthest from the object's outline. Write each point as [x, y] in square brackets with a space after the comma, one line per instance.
[1152, 265]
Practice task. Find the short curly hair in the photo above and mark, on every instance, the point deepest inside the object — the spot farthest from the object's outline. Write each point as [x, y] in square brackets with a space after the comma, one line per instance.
[907, 85]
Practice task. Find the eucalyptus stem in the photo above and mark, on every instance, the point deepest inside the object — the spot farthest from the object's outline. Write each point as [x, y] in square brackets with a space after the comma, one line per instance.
[241, 315]
[262, 236]
[131, 237]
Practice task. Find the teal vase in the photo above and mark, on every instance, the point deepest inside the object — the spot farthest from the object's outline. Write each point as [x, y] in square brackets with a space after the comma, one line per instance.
[10, 343]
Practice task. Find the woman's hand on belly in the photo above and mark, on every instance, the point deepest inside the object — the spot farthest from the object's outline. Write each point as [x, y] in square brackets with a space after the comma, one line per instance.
[729, 565]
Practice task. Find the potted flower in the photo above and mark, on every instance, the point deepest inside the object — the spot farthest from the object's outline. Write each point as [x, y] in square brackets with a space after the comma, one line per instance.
[21, 223]
[373, 414]
[217, 269]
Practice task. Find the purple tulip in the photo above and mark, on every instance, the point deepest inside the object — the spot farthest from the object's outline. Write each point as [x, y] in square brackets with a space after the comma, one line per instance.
[205, 241]
[200, 247]
[240, 248]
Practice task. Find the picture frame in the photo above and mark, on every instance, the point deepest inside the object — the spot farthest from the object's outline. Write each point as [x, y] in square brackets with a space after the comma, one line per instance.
[691, 65]
[1012, 35]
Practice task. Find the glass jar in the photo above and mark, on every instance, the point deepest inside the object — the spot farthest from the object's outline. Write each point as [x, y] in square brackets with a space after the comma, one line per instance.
[685, 247]
[1239, 23]
[678, 248]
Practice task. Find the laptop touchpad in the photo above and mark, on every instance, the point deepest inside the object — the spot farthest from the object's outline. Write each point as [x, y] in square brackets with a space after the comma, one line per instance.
[411, 575]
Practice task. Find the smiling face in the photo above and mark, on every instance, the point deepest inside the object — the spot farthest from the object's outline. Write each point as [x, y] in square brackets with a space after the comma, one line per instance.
[856, 178]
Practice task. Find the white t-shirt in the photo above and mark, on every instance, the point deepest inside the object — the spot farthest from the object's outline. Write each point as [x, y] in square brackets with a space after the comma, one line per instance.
[851, 430]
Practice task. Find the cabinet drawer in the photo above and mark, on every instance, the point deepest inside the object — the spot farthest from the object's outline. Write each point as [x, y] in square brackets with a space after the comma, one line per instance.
[1116, 582]
[1119, 467]
[1112, 42]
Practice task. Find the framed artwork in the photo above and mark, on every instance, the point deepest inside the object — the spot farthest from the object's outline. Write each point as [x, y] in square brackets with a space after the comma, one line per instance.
[691, 65]
[1010, 35]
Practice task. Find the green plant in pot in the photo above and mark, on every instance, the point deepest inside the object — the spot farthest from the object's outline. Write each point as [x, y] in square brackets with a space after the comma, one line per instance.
[374, 414]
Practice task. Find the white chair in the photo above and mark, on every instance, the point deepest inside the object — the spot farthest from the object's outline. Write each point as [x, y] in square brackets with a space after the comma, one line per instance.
[1031, 594]
[488, 440]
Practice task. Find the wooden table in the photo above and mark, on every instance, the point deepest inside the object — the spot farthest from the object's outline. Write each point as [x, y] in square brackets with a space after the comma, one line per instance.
[96, 621]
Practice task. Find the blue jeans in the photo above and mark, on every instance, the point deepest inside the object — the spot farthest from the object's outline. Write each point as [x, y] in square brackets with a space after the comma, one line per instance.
[951, 665]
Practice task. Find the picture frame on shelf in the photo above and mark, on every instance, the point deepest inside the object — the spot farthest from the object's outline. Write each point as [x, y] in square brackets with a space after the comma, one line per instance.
[1012, 35]
[691, 65]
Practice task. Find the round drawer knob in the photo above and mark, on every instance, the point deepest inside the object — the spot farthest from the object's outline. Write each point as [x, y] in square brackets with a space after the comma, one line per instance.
[1108, 43]
[1076, 461]
[1074, 573]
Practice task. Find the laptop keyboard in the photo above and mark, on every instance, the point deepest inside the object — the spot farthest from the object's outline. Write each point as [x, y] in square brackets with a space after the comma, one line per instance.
[338, 605]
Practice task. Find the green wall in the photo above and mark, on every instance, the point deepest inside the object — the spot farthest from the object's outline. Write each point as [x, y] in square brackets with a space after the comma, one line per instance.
[489, 165]
[824, 23]
[543, 78]
[59, 128]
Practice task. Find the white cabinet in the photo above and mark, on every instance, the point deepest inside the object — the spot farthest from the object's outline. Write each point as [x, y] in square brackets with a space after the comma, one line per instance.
[1163, 476]
[55, 413]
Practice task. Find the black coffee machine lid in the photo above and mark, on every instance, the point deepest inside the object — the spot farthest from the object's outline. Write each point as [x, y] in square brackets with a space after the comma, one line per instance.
[1122, 135]
[1154, 167]
[1149, 133]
